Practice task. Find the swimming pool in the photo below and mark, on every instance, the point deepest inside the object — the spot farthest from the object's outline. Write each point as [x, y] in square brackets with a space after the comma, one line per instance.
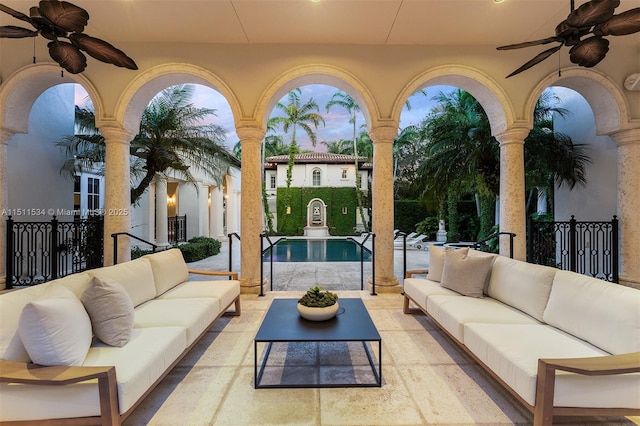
[316, 250]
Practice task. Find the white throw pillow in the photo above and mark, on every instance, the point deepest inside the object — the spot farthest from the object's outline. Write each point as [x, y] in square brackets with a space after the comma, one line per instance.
[464, 274]
[110, 310]
[436, 261]
[55, 328]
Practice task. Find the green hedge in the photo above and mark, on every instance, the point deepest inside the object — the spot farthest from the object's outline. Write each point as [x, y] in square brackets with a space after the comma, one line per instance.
[407, 215]
[334, 198]
[197, 248]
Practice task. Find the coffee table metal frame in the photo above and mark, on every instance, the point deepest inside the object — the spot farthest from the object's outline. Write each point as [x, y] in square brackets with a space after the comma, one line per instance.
[282, 323]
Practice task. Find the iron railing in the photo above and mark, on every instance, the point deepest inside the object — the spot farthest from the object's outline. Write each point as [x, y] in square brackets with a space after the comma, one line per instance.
[37, 252]
[115, 236]
[589, 248]
[177, 229]
[492, 242]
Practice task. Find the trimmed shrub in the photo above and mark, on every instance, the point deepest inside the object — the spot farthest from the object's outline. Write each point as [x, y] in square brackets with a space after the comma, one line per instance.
[199, 248]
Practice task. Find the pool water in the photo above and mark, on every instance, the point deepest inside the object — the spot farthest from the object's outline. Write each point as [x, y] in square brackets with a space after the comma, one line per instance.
[316, 250]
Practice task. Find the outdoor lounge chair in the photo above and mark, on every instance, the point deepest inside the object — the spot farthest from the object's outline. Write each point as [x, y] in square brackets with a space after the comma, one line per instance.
[397, 242]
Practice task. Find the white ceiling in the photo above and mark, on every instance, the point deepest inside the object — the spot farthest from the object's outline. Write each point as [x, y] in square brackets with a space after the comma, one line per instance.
[392, 22]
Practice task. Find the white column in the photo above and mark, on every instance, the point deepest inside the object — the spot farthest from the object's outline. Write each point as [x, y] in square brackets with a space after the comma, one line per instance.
[162, 215]
[117, 197]
[151, 213]
[232, 207]
[382, 207]
[512, 194]
[203, 211]
[5, 135]
[628, 142]
[216, 212]
[251, 214]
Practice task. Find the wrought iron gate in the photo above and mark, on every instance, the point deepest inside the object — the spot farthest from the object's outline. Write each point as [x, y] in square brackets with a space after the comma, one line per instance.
[42, 251]
[589, 248]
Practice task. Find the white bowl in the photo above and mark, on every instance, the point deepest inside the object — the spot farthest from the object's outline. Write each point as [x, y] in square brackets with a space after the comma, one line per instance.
[318, 314]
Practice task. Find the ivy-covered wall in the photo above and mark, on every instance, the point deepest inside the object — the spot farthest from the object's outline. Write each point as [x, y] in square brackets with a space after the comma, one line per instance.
[335, 199]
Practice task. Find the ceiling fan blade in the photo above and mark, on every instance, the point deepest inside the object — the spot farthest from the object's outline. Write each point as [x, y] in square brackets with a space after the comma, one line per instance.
[64, 15]
[103, 51]
[621, 24]
[10, 31]
[68, 56]
[529, 43]
[16, 14]
[592, 13]
[589, 52]
[536, 60]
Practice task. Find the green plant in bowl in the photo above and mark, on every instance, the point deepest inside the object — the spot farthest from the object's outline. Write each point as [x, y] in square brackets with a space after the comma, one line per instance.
[317, 298]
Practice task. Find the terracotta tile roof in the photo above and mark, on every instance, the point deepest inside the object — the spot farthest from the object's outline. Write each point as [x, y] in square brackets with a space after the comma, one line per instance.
[316, 157]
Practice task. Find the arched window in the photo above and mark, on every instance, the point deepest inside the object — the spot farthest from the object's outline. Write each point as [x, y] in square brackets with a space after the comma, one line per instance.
[315, 177]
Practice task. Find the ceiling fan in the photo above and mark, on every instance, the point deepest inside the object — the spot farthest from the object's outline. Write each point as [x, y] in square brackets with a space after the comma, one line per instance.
[594, 17]
[56, 20]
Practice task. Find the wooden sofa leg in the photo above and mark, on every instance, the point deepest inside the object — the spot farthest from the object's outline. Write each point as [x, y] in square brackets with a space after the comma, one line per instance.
[545, 388]
[108, 391]
[236, 311]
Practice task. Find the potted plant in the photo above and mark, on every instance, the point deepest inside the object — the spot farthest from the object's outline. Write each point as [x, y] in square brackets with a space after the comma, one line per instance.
[318, 305]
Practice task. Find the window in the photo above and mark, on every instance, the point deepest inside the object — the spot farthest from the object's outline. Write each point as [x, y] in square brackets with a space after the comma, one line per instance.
[344, 173]
[316, 177]
[93, 193]
[272, 181]
[76, 193]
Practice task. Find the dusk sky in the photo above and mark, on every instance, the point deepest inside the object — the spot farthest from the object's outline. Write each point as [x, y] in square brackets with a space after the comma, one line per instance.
[337, 124]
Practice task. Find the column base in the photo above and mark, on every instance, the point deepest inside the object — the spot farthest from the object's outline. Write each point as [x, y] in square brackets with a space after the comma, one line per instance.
[252, 286]
[3, 283]
[385, 285]
[629, 281]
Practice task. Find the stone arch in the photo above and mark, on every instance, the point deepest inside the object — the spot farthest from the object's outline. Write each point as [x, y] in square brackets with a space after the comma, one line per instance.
[490, 95]
[22, 88]
[316, 74]
[609, 105]
[145, 86]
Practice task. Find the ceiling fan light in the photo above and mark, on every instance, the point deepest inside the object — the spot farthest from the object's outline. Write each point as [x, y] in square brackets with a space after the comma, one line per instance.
[34, 12]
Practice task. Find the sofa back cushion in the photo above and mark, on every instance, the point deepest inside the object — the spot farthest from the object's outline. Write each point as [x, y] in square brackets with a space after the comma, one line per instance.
[135, 276]
[606, 315]
[523, 285]
[169, 269]
[11, 305]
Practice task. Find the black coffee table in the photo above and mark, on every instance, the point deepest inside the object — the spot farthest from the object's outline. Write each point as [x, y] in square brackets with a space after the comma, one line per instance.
[283, 324]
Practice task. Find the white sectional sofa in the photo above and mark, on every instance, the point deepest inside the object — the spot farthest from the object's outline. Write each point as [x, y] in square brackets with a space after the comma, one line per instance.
[152, 316]
[562, 343]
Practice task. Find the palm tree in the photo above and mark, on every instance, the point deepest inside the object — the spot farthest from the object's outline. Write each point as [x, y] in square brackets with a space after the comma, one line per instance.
[345, 101]
[172, 138]
[296, 115]
[463, 157]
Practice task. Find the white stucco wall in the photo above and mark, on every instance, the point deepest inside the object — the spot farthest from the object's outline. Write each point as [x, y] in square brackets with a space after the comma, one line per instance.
[34, 161]
[597, 200]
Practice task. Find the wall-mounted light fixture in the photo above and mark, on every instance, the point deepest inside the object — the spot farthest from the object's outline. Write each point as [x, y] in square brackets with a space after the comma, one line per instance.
[344, 210]
[288, 209]
[171, 201]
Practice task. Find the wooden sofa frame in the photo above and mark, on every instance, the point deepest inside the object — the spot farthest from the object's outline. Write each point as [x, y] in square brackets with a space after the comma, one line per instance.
[33, 374]
[544, 410]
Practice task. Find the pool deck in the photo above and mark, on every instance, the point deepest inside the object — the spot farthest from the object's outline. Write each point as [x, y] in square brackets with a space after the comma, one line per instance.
[293, 276]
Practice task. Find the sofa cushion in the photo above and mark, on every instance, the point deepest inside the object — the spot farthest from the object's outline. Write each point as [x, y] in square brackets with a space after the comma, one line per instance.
[195, 315]
[110, 310]
[55, 328]
[224, 290]
[135, 276]
[605, 314]
[436, 261]
[453, 312]
[419, 289]
[480, 253]
[512, 352]
[523, 285]
[138, 365]
[169, 269]
[464, 274]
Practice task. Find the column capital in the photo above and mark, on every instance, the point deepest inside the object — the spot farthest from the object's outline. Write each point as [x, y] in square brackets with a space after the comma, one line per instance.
[514, 135]
[626, 137]
[384, 133]
[250, 133]
[115, 134]
[5, 135]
